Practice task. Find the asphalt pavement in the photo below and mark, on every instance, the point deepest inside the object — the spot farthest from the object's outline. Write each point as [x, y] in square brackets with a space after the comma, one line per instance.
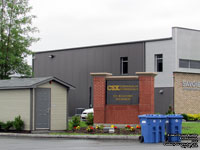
[28, 143]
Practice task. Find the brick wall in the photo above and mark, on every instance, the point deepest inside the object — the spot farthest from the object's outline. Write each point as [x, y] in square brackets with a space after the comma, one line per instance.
[186, 99]
[146, 88]
[122, 114]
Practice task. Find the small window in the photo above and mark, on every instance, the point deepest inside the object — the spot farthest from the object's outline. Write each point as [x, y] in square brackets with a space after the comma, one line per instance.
[184, 63]
[195, 64]
[159, 63]
[124, 65]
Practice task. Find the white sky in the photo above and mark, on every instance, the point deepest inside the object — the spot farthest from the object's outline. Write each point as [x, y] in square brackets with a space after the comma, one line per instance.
[75, 23]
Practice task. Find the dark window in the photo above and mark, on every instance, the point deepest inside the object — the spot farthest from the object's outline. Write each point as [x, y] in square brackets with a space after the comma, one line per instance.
[124, 65]
[184, 63]
[195, 64]
[159, 63]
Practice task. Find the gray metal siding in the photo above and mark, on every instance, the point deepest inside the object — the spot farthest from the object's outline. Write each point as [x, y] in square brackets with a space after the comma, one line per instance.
[163, 101]
[74, 67]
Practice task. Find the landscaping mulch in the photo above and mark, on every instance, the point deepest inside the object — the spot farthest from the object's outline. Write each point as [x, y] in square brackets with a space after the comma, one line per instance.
[14, 131]
[118, 131]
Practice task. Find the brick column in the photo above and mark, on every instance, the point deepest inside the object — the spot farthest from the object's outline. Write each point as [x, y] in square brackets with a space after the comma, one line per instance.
[99, 96]
[146, 95]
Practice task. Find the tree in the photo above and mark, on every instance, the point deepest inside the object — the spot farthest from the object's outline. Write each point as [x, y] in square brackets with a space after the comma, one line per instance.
[15, 37]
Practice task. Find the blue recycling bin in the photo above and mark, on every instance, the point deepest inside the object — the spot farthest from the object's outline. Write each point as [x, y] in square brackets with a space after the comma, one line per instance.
[152, 128]
[173, 127]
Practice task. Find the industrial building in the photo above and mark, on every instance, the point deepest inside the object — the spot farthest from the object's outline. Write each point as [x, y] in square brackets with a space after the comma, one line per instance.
[175, 59]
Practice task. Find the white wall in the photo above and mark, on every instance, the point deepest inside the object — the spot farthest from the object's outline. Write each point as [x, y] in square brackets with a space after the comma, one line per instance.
[58, 105]
[14, 103]
[187, 44]
[165, 47]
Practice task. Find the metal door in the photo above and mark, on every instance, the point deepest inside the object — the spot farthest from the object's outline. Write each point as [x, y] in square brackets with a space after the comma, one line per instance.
[42, 109]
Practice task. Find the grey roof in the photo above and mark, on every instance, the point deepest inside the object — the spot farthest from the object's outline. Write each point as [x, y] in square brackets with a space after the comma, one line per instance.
[20, 83]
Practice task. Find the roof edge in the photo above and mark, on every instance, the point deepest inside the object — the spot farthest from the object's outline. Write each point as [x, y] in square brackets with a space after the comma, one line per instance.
[54, 79]
[103, 45]
[186, 28]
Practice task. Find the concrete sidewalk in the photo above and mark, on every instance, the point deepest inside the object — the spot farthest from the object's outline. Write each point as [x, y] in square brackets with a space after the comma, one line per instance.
[103, 137]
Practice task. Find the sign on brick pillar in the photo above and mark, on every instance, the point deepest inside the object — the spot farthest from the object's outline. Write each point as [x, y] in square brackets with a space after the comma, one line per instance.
[99, 96]
[146, 92]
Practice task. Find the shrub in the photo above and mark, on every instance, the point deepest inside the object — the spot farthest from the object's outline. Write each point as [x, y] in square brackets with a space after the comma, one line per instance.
[99, 127]
[18, 123]
[191, 117]
[75, 121]
[170, 111]
[89, 119]
[1, 125]
[6, 126]
[185, 116]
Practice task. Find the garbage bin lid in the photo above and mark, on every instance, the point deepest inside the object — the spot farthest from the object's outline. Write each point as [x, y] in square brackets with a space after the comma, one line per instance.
[152, 116]
[175, 116]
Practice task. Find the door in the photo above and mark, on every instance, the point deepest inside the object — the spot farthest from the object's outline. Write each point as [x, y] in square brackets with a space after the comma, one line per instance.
[42, 108]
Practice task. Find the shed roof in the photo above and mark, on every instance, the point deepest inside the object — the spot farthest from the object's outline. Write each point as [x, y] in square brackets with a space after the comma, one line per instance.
[22, 83]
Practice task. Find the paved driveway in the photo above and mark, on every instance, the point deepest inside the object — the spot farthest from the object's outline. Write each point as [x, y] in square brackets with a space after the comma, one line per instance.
[11, 143]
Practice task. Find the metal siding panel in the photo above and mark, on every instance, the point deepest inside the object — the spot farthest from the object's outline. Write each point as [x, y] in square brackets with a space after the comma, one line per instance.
[163, 101]
[75, 66]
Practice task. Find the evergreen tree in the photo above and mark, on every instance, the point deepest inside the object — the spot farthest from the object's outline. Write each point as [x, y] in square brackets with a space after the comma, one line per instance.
[15, 37]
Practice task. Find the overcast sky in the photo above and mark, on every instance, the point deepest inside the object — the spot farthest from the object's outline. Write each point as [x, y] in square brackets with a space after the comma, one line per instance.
[75, 23]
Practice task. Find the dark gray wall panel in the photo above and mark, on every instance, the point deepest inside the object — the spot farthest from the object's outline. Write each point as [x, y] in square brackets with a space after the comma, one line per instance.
[163, 101]
[74, 66]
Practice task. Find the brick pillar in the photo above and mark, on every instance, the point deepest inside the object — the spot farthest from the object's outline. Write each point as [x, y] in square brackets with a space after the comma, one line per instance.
[146, 92]
[99, 96]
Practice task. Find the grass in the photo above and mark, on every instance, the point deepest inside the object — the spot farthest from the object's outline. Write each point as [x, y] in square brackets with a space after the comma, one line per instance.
[191, 128]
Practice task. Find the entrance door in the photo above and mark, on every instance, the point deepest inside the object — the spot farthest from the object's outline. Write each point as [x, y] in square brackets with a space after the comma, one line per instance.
[42, 108]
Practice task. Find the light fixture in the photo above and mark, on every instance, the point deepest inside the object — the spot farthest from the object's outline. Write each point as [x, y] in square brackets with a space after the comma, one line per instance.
[161, 91]
[51, 56]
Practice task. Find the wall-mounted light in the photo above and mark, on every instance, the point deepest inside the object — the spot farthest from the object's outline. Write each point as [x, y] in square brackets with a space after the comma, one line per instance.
[161, 91]
[51, 56]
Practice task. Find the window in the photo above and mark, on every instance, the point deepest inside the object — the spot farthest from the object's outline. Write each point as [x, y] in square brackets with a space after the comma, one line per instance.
[184, 63]
[124, 65]
[159, 63]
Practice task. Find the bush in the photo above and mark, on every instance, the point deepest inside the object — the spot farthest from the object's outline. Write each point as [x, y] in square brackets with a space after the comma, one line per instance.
[6, 126]
[89, 119]
[1, 125]
[191, 117]
[170, 111]
[75, 121]
[18, 124]
[185, 116]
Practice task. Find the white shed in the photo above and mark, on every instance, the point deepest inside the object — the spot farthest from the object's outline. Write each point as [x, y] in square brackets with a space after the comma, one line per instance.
[41, 102]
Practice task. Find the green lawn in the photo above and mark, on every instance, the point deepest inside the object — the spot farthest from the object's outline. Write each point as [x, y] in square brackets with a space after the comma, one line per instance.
[191, 128]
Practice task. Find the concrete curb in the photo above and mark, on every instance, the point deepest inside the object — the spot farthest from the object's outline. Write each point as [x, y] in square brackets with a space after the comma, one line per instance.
[100, 137]
[103, 137]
